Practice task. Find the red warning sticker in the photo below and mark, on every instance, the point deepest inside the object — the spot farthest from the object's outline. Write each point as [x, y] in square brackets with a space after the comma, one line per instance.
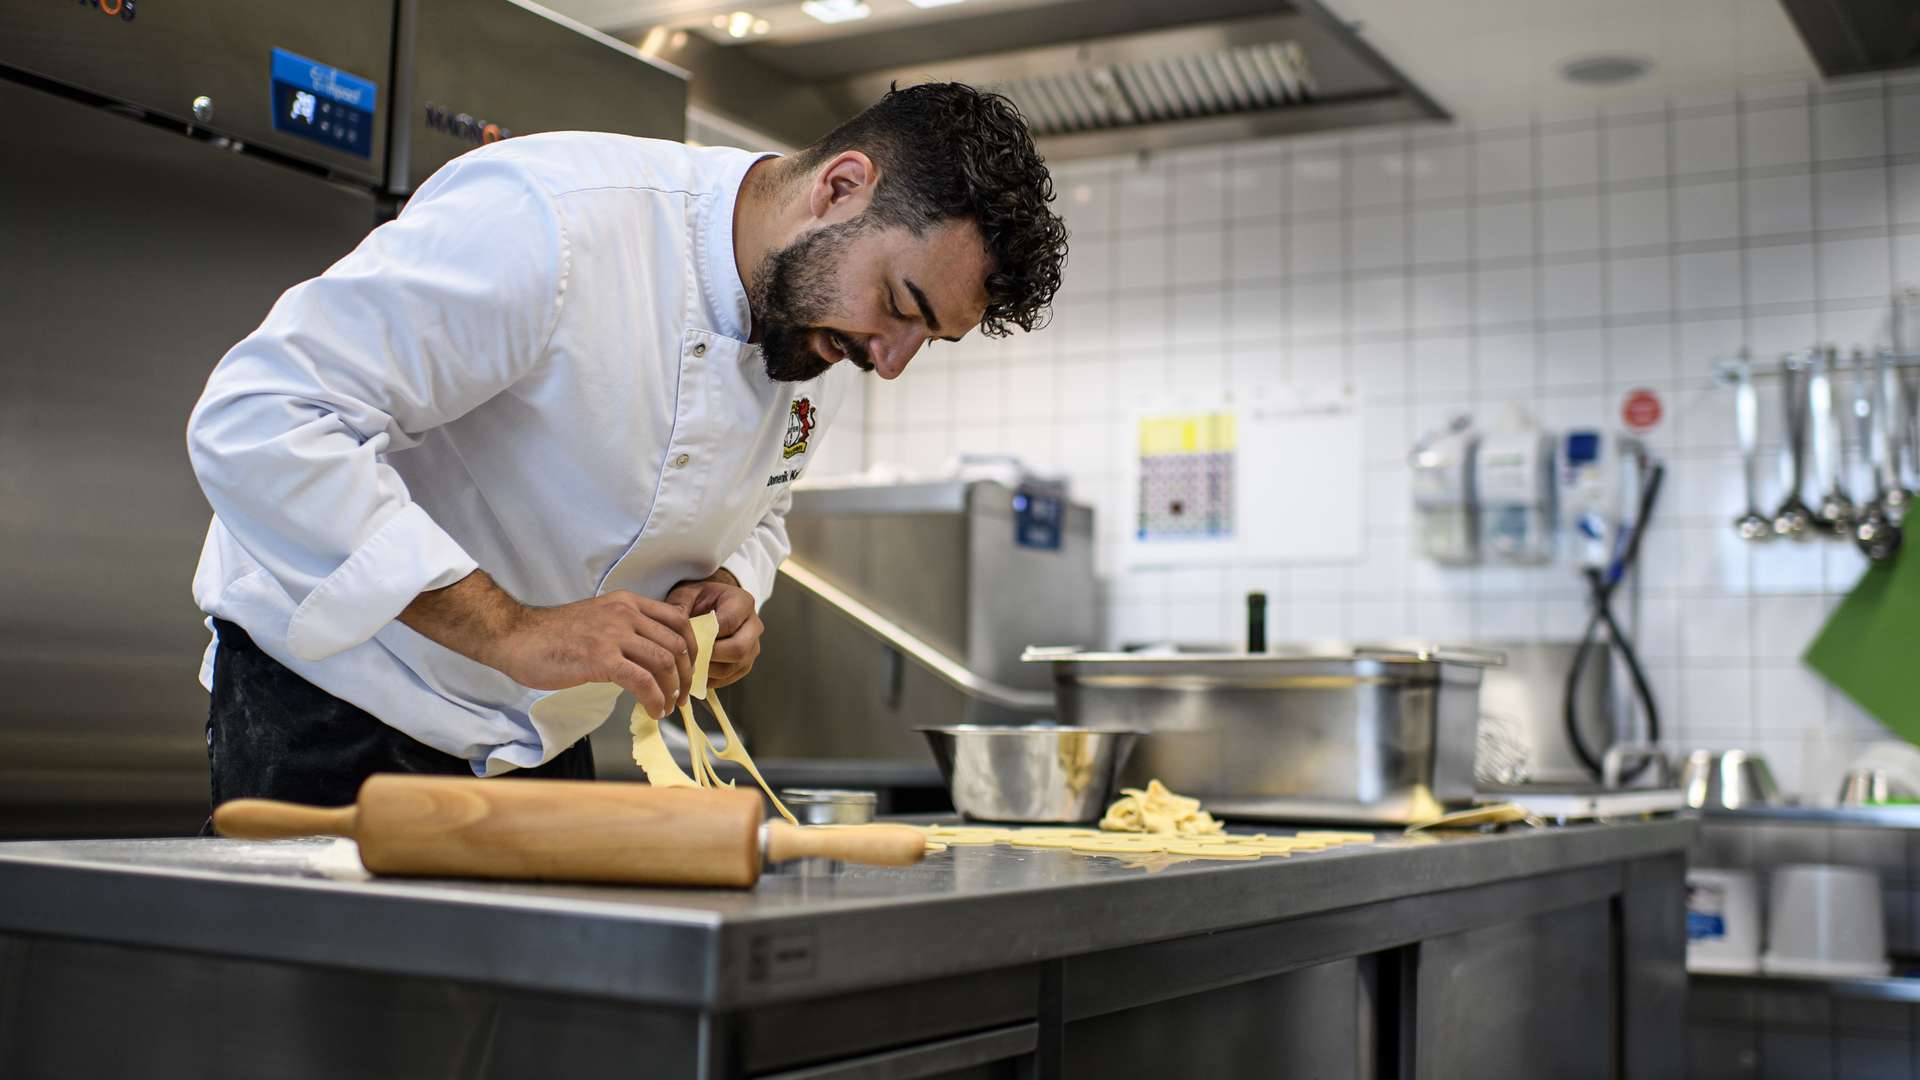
[1641, 410]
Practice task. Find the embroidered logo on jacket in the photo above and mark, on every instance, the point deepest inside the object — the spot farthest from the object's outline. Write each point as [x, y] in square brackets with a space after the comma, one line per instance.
[799, 427]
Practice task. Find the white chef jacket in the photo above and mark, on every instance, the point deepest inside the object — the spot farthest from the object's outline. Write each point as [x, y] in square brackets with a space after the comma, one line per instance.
[538, 369]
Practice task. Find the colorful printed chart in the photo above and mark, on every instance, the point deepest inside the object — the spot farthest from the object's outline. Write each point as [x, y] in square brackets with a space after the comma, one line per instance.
[1187, 465]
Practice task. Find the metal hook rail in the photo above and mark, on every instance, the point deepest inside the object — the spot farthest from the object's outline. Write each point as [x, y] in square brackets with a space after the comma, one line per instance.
[1726, 369]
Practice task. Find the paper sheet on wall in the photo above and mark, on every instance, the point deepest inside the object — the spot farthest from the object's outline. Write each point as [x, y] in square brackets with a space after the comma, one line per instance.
[1268, 476]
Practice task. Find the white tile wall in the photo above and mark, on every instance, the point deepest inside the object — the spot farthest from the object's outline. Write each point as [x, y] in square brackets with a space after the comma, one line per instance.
[1557, 263]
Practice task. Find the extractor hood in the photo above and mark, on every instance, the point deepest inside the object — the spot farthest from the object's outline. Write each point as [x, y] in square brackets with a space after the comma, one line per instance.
[1847, 37]
[1091, 76]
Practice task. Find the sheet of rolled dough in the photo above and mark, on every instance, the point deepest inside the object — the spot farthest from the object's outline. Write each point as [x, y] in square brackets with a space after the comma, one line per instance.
[651, 754]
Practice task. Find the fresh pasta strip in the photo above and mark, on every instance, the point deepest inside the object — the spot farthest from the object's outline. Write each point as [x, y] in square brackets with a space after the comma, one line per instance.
[1271, 847]
[1045, 840]
[1155, 809]
[650, 750]
[706, 628]
[1210, 851]
[736, 752]
[1056, 830]
[1118, 845]
[1150, 851]
[651, 754]
[700, 752]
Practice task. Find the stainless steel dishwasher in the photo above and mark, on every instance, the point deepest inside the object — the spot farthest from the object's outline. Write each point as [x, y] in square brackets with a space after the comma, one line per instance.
[909, 605]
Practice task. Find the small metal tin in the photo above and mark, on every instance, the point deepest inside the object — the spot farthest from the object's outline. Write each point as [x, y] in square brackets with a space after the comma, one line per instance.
[827, 806]
[830, 806]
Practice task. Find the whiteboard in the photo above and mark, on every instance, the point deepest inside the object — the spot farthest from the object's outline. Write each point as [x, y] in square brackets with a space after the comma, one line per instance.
[1273, 474]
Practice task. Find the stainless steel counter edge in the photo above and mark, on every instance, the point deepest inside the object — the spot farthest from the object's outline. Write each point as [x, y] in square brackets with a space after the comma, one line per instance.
[891, 942]
[1892, 816]
[732, 951]
[403, 928]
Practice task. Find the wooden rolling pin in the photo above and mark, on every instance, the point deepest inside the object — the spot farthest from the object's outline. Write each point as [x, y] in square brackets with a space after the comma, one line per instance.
[565, 830]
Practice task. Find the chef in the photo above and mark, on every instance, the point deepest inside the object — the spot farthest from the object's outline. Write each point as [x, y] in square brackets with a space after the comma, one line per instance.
[471, 482]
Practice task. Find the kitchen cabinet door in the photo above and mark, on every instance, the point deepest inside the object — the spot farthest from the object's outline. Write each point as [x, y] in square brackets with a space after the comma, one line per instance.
[1532, 997]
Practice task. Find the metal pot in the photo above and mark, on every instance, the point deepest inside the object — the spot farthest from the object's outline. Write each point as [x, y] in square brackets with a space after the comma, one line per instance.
[1872, 787]
[1030, 772]
[1347, 734]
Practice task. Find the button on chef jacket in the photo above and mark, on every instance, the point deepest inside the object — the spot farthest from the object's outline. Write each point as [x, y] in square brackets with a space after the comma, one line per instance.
[538, 369]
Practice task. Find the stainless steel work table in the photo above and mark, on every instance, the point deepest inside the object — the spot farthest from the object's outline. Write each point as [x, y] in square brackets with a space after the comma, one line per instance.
[981, 961]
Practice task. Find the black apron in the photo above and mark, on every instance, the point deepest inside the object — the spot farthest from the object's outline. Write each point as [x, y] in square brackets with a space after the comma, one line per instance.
[273, 735]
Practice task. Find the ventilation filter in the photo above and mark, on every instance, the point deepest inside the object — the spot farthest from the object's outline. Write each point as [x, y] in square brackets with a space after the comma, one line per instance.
[1239, 80]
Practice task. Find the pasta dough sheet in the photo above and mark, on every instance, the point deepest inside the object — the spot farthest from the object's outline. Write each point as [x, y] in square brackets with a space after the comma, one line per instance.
[650, 748]
[1149, 851]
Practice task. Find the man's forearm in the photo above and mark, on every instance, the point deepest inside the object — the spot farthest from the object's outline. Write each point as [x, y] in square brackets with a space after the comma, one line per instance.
[470, 616]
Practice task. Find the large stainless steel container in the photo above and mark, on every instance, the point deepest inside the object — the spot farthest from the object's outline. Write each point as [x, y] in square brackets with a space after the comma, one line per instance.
[1353, 734]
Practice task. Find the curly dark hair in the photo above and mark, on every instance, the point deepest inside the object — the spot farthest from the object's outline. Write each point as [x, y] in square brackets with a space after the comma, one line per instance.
[947, 151]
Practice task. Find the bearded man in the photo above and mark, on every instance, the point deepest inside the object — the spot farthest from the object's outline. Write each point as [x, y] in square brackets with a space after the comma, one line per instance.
[474, 480]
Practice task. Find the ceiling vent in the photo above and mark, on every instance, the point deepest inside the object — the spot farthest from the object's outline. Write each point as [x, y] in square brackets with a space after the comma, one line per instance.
[1265, 76]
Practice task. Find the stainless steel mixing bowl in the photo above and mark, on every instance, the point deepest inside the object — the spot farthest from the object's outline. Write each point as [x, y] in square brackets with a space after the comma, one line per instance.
[1031, 773]
[1727, 780]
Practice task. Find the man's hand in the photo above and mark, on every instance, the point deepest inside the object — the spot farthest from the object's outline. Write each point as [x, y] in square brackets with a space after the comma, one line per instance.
[643, 646]
[738, 643]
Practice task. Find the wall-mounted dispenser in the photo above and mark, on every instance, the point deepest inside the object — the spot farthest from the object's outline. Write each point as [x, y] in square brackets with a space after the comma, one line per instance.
[1445, 518]
[1514, 480]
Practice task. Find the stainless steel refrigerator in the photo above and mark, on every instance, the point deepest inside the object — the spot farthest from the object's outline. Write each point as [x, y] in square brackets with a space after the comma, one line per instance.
[170, 170]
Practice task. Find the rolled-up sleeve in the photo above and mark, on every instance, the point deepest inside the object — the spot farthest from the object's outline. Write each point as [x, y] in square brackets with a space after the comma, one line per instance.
[757, 560]
[433, 314]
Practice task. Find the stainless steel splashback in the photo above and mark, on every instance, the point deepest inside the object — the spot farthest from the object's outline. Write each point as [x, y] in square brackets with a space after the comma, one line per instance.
[133, 259]
[468, 73]
[140, 238]
[941, 561]
[164, 58]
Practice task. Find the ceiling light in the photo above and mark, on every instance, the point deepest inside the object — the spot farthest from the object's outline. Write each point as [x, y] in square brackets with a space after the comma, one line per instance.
[719, 22]
[678, 40]
[932, 3]
[1607, 69]
[761, 26]
[836, 11]
[739, 23]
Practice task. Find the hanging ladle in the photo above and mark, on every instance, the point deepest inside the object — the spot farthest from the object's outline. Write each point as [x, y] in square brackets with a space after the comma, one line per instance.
[1875, 530]
[1752, 525]
[1794, 518]
[1835, 514]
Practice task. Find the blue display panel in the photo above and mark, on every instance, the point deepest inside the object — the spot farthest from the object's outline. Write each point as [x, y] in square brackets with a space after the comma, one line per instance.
[1037, 519]
[322, 103]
